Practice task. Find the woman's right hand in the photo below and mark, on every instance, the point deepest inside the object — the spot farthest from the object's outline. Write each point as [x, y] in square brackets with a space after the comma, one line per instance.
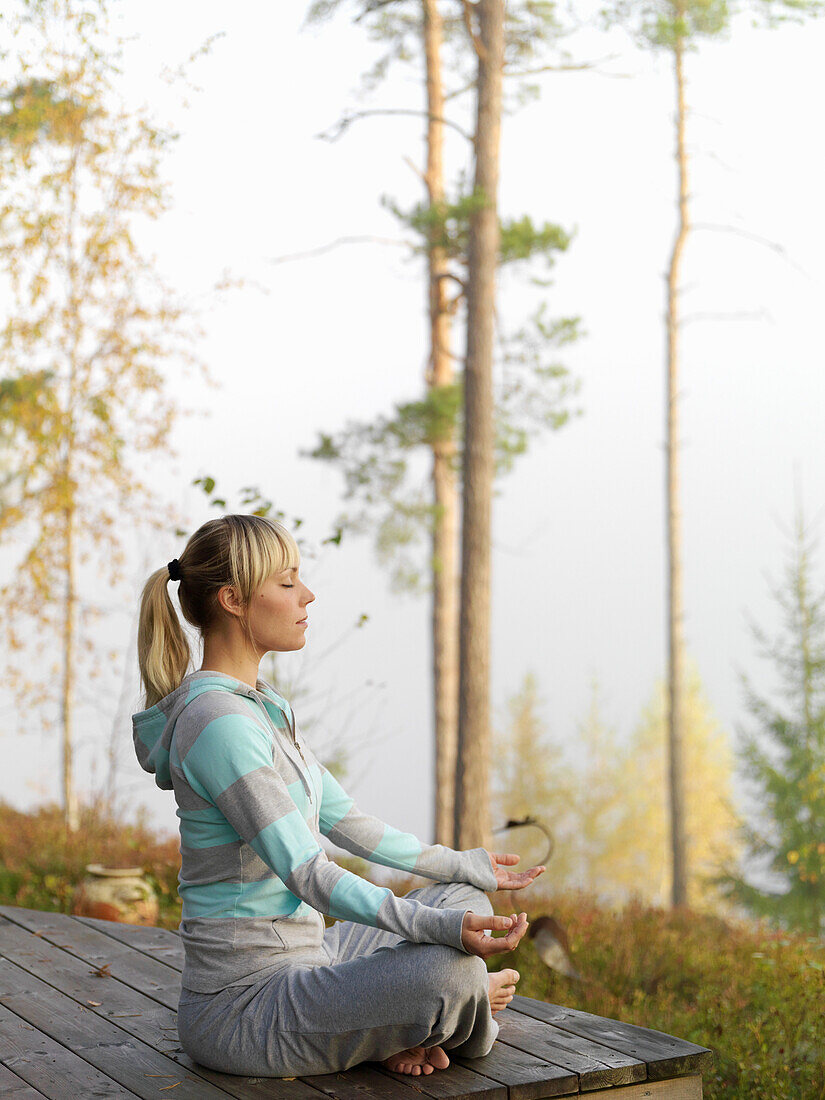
[475, 941]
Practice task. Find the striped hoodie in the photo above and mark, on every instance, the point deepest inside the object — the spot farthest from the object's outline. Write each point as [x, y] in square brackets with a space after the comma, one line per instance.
[253, 803]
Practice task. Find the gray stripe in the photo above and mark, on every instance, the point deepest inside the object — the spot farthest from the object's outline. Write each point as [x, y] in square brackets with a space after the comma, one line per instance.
[358, 833]
[205, 709]
[243, 950]
[254, 801]
[314, 880]
[233, 862]
[187, 798]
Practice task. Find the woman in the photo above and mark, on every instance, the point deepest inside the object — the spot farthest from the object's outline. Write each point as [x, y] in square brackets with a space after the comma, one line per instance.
[267, 990]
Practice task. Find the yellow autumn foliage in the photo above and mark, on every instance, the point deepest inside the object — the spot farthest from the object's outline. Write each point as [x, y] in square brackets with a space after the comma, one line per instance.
[624, 799]
[610, 814]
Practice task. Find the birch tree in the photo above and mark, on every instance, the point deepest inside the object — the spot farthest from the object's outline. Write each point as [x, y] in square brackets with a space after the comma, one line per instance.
[87, 331]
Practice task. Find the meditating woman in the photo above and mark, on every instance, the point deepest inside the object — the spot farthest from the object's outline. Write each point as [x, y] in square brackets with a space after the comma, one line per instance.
[267, 989]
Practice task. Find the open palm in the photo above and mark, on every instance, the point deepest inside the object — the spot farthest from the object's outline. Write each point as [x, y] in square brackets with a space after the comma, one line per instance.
[512, 880]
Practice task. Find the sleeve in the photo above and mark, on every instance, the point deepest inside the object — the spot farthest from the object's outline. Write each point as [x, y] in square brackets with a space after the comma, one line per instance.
[230, 763]
[366, 836]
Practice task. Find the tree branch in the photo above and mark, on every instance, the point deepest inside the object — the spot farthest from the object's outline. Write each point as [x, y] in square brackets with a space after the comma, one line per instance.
[344, 123]
[742, 315]
[772, 245]
[571, 68]
[480, 48]
[334, 244]
[584, 65]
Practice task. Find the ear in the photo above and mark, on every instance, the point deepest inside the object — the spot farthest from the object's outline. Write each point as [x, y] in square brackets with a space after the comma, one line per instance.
[229, 601]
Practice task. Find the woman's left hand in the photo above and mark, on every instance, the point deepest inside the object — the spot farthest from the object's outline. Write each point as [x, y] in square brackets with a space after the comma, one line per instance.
[512, 880]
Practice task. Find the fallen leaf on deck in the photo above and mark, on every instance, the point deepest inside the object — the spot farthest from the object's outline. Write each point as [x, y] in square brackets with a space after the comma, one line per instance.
[94, 1004]
[102, 971]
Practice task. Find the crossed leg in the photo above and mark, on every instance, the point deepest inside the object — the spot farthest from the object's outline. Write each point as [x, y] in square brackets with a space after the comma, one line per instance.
[348, 940]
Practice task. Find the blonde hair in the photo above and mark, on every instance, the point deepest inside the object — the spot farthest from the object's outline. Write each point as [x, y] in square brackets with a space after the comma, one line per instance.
[242, 551]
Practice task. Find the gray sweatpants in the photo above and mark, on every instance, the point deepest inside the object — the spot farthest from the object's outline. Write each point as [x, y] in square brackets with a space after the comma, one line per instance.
[379, 994]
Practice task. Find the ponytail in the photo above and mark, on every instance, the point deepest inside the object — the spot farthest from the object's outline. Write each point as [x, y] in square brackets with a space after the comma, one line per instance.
[163, 652]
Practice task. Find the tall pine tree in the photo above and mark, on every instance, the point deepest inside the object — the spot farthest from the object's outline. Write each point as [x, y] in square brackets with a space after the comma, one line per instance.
[784, 755]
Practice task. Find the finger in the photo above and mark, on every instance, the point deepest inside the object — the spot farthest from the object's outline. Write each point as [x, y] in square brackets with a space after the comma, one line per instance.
[476, 922]
[517, 932]
[500, 944]
[509, 859]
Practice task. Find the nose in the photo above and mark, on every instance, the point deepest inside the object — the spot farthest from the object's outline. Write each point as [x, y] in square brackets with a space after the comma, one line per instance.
[308, 596]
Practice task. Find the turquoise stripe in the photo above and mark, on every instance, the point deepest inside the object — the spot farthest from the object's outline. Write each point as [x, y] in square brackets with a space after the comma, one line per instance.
[205, 831]
[286, 843]
[399, 849]
[160, 759]
[279, 719]
[153, 717]
[353, 898]
[335, 802]
[227, 748]
[269, 898]
[284, 709]
[298, 794]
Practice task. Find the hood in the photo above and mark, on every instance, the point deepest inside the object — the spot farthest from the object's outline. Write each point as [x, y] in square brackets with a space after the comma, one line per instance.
[152, 729]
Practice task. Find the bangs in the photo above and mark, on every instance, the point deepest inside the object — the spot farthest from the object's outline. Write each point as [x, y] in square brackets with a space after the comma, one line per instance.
[260, 547]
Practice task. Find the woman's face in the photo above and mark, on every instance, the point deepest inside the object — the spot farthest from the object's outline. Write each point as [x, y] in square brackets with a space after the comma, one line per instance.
[277, 613]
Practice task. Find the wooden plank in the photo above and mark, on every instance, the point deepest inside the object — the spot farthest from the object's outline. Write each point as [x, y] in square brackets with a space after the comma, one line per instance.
[134, 1064]
[677, 1088]
[13, 1087]
[596, 1065]
[526, 1076]
[48, 1067]
[128, 1009]
[157, 943]
[665, 1055]
[151, 977]
[364, 1082]
[455, 1083]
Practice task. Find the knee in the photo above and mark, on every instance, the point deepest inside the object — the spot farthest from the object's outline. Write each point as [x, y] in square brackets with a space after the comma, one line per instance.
[457, 978]
[460, 895]
[448, 974]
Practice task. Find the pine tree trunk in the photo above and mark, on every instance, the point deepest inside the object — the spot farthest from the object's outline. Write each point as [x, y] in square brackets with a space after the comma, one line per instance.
[472, 780]
[676, 642]
[445, 490]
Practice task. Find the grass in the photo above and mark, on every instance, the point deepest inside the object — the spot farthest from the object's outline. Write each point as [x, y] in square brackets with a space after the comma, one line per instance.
[41, 863]
[753, 994]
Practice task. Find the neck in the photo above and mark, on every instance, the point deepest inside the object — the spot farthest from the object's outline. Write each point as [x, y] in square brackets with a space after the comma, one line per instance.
[220, 657]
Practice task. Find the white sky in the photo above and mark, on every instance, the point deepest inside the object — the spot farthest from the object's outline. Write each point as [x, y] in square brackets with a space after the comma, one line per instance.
[578, 564]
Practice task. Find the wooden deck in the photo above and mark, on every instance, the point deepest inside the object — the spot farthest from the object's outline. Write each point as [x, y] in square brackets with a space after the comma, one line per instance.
[87, 1009]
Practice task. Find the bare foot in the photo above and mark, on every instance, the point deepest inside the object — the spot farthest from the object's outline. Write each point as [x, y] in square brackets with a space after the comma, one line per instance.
[417, 1061]
[502, 988]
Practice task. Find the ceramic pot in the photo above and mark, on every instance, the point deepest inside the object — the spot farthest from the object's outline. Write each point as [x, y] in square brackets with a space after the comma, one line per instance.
[116, 893]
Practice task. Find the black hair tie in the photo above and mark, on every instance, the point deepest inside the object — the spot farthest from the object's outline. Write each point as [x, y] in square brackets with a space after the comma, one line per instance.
[174, 569]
